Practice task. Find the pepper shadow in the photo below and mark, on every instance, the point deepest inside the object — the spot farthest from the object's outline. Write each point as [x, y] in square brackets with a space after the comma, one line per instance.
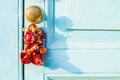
[57, 57]
[62, 23]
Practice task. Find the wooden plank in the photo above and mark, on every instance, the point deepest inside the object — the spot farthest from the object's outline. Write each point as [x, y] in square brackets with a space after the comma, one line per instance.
[100, 14]
[30, 70]
[81, 77]
[82, 61]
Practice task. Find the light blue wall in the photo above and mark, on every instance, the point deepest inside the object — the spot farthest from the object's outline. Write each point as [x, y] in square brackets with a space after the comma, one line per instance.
[69, 51]
[89, 51]
[75, 51]
[9, 40]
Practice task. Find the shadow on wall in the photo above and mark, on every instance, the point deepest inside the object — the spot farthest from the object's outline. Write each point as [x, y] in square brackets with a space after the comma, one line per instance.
[62, 23]
[58, 59]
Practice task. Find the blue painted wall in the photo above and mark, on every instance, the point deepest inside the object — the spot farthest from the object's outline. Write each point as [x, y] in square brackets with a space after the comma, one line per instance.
[78, 50]
[74, 48]
[83, 50]
[70, 49]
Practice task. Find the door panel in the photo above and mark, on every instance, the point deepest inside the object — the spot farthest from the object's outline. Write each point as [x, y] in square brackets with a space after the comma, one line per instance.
[99, 43]
[9, 40]
[61, 37]
[81, 77]
[83, 61]
[73, 49]
[31, 71]
[92, 14]
[73, 39]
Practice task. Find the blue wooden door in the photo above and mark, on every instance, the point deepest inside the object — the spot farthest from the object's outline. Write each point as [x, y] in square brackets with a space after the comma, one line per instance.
[82, 39]
[9, 49]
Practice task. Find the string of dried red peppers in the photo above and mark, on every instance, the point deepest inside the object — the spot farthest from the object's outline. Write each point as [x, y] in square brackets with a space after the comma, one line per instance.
[34, 50]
